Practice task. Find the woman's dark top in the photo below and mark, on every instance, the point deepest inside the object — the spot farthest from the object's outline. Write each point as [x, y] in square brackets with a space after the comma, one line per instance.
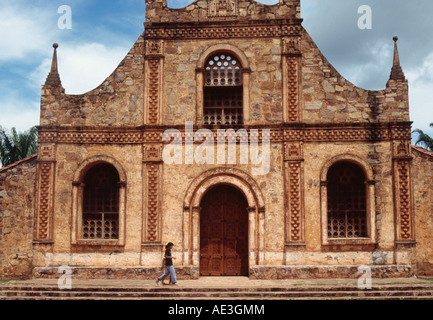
[168, 262]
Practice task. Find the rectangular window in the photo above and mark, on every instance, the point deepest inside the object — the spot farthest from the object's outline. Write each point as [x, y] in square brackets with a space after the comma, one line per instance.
[223, 105]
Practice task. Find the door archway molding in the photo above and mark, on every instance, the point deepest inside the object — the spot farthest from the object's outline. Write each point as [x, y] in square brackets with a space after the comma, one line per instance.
[191, 212]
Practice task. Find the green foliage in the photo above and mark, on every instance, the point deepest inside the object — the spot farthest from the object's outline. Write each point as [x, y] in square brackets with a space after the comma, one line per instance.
[15, 146]
[424, 140]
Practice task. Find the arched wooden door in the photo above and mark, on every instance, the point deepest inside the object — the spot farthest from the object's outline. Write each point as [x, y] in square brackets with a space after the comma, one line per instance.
[224, 233]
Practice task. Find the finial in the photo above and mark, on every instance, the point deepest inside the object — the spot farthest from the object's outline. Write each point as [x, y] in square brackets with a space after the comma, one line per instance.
[396, 72]
[53, 78]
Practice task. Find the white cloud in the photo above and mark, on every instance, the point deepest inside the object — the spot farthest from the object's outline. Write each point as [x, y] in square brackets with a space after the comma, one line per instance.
[27, 32]
[82, 67]
[421, 94]
[24, 30]
[18, 113]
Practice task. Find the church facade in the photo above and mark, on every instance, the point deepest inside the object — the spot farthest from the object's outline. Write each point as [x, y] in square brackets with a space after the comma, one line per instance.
[227, 132]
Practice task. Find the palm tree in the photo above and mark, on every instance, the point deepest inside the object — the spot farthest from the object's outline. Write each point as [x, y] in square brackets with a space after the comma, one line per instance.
[424, 139]
[16, 146]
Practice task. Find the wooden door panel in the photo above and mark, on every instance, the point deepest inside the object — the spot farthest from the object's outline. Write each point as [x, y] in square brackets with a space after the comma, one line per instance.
[204, 265]
[216, 230]
[224, 233]
[229, 248]
[216, 266]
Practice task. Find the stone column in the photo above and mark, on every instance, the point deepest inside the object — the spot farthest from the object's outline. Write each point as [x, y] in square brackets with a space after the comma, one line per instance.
[294, 188]
[371, 208]
[77, 208]
[186, 236]
[154, 66]
[45, 192]
[122, 213]
[246, 94]
[294, 253]
[195, 250]
[323, 209]
[252, 236]
[199, 97]
[291, 56]
[403, 197]
[151, 247]
[261, 237]
[152, 193]
[43, 238]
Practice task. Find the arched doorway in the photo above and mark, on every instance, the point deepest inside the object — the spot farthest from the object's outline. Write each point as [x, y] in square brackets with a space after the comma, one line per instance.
[224, 232]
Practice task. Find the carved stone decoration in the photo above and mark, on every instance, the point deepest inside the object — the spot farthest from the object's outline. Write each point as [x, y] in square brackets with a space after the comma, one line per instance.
[292, 88]
[152, 153]
[222, 8]
[401, 132]
[154, 91]
[154, 54]
[47, 152]
[402, 148]
[47, 137]
[292, 45]
[44, 200]
[152, 158]
[404, 200]
[293, 151]
[294, 209]
[293, 156]
[154, 47]
[82, 135]
[152, 136]
[152, 203]
[91, 137]
[222, 32]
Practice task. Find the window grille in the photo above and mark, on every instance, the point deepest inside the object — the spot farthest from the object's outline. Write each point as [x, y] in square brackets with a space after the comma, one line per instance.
[223, 91]
[347, 214]
[101, 203]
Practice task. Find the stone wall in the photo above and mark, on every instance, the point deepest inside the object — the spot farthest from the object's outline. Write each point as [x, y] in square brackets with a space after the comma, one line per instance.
[205, 10]
[117, 101]
[327, 97]
[17, 203]
[423, 194]
[65, 250]
[289, 87]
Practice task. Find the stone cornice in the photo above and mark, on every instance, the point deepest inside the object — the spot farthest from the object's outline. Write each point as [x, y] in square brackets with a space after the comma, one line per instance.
[223, 29]
[287, 132]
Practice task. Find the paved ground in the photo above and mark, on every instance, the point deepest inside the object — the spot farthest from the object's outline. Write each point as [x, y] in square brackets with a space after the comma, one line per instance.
[229, 282]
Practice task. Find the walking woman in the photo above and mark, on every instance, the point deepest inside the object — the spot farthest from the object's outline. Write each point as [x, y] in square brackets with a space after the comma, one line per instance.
[169, 265]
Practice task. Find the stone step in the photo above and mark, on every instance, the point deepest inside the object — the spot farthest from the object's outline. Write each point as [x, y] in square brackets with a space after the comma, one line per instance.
[25, 298]
[210, 294]
[216, 289]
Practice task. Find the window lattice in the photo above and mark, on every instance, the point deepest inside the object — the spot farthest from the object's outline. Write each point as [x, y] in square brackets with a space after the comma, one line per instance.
[223, 92]
[223, 105]
[101, 203]
[347, 214]
[223, 70]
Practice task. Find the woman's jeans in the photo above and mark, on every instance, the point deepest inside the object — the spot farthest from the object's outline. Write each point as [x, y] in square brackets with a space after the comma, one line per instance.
[169, 270]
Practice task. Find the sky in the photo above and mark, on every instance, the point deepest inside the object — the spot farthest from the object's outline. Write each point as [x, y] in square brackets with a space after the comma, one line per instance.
[102, 32]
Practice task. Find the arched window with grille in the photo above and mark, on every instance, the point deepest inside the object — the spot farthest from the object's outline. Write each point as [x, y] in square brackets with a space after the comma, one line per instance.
[347, 201]
[100, 220]
[223, 90]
